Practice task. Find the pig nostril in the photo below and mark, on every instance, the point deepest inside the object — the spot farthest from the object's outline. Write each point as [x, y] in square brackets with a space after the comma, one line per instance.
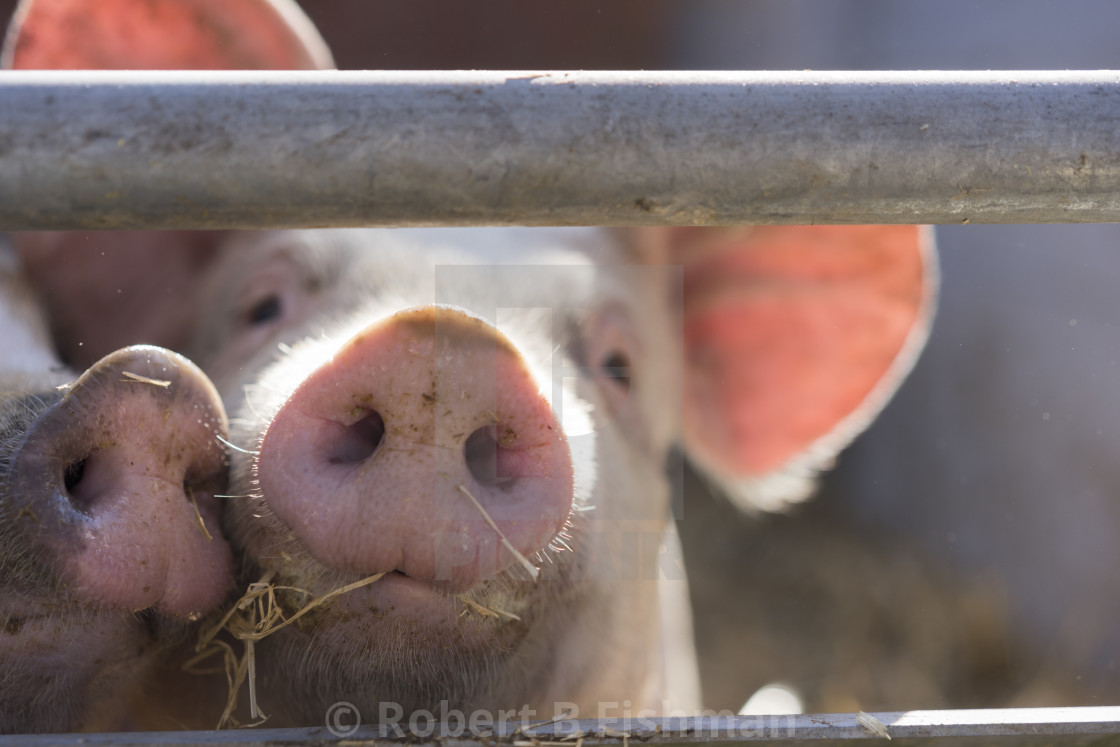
[73, 473]
[481, 452]
[72, 477]
[358, 441]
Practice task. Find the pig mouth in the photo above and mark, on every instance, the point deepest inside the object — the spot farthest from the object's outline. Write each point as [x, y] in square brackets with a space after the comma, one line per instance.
[498, 598]
[400, 594]
[395, 594]
[504, 600]
[505, 576]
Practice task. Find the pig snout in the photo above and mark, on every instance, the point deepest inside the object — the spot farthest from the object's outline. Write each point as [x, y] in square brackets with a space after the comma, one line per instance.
[114, 485]
[423, 447]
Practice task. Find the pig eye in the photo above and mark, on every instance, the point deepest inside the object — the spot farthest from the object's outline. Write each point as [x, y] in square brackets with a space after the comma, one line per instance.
[612, 353]
[615, 367]
[268, 309]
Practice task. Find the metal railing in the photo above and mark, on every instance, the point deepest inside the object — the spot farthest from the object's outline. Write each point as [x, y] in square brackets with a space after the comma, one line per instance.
[285, 149]
[1052, 727]
[103, 150]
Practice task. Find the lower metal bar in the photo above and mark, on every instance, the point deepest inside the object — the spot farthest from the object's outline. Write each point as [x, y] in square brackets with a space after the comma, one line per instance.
[1057, 727]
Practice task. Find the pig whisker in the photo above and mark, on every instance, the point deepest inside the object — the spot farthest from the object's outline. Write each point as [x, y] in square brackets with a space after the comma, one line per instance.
[236, 447]
[558, 544]
[251, 405]
[546, 555]
[32, 404]
[273, 396]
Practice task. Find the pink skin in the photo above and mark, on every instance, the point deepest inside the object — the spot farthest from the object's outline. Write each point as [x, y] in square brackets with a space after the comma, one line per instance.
[307, 340]
[406, 416]
[117, 35]
[123, 532]
[103, 559]
[102, 291]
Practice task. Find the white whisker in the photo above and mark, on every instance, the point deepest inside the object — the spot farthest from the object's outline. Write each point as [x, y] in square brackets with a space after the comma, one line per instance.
[236, 447]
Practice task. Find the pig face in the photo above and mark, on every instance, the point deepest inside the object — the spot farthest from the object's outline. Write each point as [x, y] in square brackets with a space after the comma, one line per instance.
[338, 400]
[390, 387]
[107, 487]
[525, 385]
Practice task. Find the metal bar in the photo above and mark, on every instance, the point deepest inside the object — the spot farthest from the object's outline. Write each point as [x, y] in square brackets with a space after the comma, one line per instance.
[82, 150]
[1054, 727]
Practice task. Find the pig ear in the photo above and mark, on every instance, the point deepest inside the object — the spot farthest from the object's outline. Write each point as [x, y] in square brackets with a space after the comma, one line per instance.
[794, 339]
[163, 35]
[151, 291]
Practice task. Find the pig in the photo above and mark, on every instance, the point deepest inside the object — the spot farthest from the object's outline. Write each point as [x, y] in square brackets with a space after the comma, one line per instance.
[380, 381]
[110, 539]
[484, 421]
[293, 315]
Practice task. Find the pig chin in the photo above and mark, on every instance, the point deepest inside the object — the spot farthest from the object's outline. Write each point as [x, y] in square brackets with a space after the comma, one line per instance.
[370, 659]
[401, 641]
[77, 668]
[488, 612]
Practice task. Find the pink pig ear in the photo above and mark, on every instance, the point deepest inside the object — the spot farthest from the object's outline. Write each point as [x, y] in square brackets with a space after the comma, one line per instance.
[109, 289]
[794, 337]
[163, 35]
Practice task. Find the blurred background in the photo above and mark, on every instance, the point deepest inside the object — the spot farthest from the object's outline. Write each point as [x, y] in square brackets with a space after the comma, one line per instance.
[964, 553]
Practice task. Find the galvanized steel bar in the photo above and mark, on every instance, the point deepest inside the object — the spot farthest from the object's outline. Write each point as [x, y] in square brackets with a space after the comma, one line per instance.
[1049, 727]
[82, 150]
